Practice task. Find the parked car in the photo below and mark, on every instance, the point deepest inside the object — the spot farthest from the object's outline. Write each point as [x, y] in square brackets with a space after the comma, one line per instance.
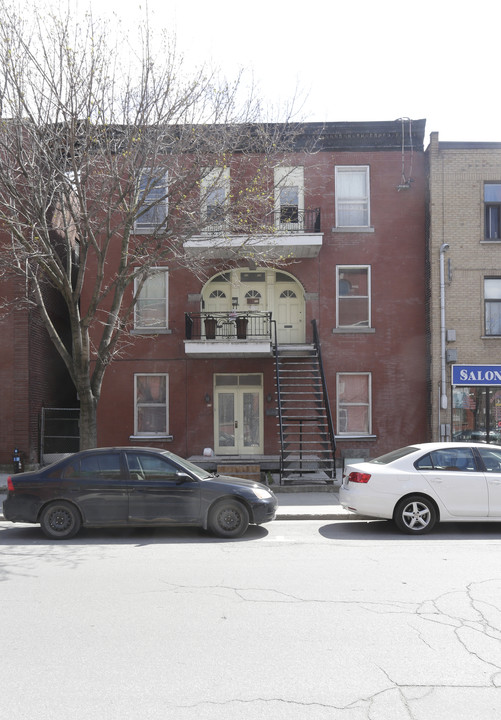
[128, 486]
[420, 485]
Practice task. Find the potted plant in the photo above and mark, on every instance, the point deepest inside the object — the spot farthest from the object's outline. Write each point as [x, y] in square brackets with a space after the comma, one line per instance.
[210, 328]
[242, 323]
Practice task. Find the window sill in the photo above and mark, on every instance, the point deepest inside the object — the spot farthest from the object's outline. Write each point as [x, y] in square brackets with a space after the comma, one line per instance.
[151, 438]
[353, 330]
[353, 229]
[490, 242]
[356, 437]
[490, 337]
[151, 331]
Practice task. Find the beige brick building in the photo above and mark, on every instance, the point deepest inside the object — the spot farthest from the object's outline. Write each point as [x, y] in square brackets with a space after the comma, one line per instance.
[464, 244]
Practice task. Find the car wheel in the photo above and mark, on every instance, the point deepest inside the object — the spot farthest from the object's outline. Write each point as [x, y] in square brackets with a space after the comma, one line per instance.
[415, 515]
[60, 520]
[229, 519]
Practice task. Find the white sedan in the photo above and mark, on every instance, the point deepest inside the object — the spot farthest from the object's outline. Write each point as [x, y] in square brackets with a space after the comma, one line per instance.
[420, 485]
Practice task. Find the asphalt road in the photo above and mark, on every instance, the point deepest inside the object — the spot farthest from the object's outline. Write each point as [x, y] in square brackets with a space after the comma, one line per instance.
[310, 620]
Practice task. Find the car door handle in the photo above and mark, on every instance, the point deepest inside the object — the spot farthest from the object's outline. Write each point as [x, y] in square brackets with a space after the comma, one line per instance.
[437, 480]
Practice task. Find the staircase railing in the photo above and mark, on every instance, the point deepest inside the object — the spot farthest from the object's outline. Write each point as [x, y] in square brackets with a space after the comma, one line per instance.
[279, 399]
[330, 424]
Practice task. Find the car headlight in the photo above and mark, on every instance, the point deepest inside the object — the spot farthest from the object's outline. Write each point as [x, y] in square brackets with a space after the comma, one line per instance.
[261, 493]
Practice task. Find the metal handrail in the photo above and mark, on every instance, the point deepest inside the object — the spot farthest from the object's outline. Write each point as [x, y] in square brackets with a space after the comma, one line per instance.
[330, 424]
[279, 400]
[227, 325]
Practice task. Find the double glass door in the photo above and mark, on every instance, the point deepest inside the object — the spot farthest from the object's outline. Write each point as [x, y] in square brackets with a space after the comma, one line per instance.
[238, 414]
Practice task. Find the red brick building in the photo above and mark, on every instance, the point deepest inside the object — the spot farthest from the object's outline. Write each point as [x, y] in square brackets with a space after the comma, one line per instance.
[32, 376]
[204, 372]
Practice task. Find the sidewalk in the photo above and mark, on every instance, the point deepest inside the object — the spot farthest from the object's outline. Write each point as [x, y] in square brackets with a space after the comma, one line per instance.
[293, 503]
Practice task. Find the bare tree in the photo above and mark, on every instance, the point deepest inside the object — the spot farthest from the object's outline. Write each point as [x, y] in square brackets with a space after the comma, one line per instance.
[109, 158]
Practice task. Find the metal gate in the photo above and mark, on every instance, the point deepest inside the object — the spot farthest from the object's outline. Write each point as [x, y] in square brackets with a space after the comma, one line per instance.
[59, 433]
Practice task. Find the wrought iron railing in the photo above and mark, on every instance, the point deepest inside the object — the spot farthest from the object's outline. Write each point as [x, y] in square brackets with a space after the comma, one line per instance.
[227, 325]
[287, 219]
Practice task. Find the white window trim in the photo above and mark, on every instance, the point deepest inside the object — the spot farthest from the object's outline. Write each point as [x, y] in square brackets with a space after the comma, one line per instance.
[150, 434]
[141, 225]
[289, 176]
[339, 268]
[339, 170]
[215, 178]
[339, 408]
[153, 328]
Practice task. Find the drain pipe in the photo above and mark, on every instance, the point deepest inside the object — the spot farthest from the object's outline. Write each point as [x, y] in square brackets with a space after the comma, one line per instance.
[443, 391]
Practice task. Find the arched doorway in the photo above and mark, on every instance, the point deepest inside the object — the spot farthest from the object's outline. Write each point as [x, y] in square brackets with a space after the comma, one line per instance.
[265, 289]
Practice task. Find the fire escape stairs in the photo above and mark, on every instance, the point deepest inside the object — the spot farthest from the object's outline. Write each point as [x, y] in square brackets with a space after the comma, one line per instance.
[305, 425]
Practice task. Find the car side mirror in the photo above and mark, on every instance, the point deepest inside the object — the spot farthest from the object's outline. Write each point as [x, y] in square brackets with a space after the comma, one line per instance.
[183, 477]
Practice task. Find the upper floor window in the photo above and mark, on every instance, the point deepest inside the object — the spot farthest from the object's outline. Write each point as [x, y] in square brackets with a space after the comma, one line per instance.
[354, 404]
[352, 196]
[151, 404]
[353, 307]
[492, 301]
[215, 191]
[289, 197]
[152, 201]
[152, 302]
[492, 203]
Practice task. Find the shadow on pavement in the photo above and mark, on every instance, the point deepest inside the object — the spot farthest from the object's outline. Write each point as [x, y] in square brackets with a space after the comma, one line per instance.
[386, 530]
[140, 536]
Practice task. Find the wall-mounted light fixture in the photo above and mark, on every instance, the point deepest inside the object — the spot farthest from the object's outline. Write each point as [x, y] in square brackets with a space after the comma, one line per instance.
[234, 302]
[207, 398]
[269, 397]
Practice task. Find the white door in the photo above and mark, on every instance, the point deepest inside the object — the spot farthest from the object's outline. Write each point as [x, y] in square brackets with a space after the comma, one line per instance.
[238, 415]
[289, 304]
[454, 477]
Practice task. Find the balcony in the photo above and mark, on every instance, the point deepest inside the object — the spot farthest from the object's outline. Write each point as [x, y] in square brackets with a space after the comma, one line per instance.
[287, 232]
[229, 334]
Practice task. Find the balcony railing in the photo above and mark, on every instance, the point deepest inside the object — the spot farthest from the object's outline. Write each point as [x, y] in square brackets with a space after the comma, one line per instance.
[288, 219]
[227, 326]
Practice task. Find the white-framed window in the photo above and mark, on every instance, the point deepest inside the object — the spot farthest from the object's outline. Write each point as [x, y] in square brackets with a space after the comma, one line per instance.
[353, 296]
[352, 196]
[354, 403]
[492, 204]
[151, 413]
[289, 197]
[215, 191]
[151, 310]
[492, 304]
[152, 200]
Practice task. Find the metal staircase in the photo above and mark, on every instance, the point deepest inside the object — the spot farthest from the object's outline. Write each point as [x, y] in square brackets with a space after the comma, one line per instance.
[305, 423]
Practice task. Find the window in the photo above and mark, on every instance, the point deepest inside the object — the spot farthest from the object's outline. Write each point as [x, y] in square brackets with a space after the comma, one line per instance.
[352, 196]
[151, 407]
[151, 304]
[289, 197]
[492, 300]
[150, 467]
[152, 201]
[353, 296]
[353, 403]
[96, 467]
[452, 459]
[215, 192]
[492, 202]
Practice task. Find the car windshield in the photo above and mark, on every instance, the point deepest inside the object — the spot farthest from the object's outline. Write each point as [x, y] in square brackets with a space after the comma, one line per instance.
[394, 455]
[193, 469]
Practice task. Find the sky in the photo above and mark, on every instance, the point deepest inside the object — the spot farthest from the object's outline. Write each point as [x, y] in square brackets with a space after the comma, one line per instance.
[357, 60]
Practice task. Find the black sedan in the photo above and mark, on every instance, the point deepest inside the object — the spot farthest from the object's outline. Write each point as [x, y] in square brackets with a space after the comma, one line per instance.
[127, 486]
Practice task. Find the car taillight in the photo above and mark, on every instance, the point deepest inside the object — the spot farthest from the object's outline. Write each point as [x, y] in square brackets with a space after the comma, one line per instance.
[10, 484]
[359, 477]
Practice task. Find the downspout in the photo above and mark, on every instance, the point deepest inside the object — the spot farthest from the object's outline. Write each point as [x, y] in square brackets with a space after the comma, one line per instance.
[443, 390]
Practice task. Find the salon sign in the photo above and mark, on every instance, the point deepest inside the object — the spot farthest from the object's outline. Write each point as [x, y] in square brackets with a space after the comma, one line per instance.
[476, 375]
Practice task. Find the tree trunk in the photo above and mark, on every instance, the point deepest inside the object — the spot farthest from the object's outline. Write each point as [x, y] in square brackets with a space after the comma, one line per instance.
[88, 421]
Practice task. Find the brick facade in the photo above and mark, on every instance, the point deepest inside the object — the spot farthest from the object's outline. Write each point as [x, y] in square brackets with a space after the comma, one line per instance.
[457, 175]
